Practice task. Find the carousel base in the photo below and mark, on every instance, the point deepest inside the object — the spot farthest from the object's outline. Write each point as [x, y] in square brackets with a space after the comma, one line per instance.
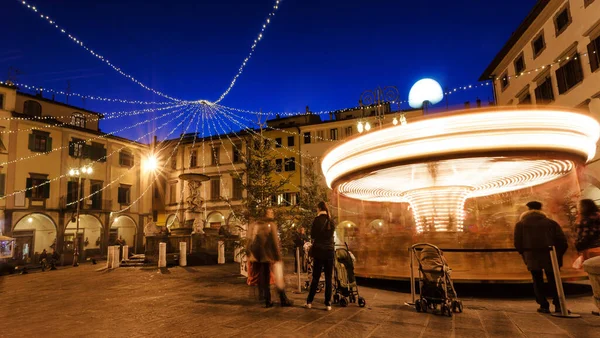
[467, 277]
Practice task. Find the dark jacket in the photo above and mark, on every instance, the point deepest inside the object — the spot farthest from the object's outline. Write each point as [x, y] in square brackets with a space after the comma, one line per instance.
[265, 247]
[321, 233]
[534, 233]
[588, 233]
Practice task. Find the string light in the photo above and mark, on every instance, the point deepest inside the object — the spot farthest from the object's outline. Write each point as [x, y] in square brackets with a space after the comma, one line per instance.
[541, 68]
[80, 43]
[85, 97]
[259, 37]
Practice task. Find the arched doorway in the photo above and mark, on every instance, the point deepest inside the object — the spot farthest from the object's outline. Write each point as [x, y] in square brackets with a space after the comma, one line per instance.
[172, 222]
[33, 233]
[89, 235]
[215, 220]
[123, 227]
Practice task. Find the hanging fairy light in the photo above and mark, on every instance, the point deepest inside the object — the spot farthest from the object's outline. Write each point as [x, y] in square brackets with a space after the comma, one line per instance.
[403, 120]
[395, 121]
[360, 127]
[367, 126]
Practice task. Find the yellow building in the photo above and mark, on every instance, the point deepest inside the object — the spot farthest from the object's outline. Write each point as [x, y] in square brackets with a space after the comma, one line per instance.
[553, 58]
[41, 141]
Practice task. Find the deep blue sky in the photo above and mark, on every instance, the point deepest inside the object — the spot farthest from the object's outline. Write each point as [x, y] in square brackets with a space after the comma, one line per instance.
[315, 52]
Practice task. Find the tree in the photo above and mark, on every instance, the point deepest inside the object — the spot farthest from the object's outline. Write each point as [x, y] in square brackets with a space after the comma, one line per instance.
[312, 191]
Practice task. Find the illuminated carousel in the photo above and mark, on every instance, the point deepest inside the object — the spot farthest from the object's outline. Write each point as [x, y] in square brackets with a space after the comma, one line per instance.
[457, 180]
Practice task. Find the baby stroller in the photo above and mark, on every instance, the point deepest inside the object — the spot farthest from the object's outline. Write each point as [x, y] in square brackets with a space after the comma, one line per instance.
[309, 269]
[435, 286]
[346, 290]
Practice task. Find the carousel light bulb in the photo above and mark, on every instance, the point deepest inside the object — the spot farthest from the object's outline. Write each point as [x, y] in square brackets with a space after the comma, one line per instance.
[367, 126]
[360, 127]
[395, 121]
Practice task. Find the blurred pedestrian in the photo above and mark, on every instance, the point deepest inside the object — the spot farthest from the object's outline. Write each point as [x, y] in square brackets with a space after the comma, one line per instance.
[265, 256]
[299, 240]
[54, 260]
[587, 242]
[322, 251]
[534, 233]
[44, 259]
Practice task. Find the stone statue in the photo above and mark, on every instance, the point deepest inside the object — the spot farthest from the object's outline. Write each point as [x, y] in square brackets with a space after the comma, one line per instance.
[150, 229]
[198, 225]
[194, 200]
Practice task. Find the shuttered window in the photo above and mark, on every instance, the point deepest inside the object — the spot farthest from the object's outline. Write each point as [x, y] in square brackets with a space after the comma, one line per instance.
[38, 188]
[594, 54]
[40, 141]
[215, 188]
[569, 74]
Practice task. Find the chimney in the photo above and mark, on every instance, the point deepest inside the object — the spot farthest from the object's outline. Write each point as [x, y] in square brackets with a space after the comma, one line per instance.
[467, 105]
[478, 102]
[52, 97]
[39, 94]
[307, 110]
[331, 116]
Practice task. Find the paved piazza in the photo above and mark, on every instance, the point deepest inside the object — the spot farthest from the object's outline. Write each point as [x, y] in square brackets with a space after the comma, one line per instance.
[212, 301]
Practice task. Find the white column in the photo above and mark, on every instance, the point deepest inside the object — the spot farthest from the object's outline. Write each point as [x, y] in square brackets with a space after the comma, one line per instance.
[109, 257]
[116, 261]
[221, 259]
[125, 252]
[182, 254]
[162, 255]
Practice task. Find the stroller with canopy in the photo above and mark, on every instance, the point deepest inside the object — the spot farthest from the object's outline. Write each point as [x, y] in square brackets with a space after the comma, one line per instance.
[345, 287]
[435, 285]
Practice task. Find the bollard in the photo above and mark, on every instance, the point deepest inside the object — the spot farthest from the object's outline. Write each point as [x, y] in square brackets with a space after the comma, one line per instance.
[162, 255]
[412, 278]
[182, 254]
[125, 253]
[116, 258]
[564, 311]
[109, 257]
[221, 258]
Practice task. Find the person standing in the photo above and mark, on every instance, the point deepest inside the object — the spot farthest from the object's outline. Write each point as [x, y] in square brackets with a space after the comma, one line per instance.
[44, 260]
[587, 241]
[299, 239]
[534, 233]
[322, 251]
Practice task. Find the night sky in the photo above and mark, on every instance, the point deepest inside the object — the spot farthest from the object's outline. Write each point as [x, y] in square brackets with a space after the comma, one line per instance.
[317, 53]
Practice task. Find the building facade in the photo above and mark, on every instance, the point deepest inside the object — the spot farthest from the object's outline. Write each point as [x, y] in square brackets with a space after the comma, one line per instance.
[553, 59]
[41, 142]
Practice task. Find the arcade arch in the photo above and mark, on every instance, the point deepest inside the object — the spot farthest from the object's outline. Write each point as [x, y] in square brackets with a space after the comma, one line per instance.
[33, 233]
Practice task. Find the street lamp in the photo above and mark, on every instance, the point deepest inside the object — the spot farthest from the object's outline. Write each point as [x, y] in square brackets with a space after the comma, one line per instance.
[77, 173]
[379, 97]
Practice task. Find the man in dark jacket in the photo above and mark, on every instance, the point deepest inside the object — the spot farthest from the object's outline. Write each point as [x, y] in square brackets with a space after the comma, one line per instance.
[534, 233]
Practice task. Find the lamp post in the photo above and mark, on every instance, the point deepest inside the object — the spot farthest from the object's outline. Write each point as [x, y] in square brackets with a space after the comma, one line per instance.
[77, 173]
[378, 97]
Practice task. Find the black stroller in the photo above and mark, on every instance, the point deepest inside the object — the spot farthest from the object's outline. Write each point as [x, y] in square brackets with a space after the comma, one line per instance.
[345, 288]
[435, 285]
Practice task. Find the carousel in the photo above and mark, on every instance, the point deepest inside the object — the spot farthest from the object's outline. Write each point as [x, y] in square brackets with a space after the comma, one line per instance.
[458, 180]
[7, 246]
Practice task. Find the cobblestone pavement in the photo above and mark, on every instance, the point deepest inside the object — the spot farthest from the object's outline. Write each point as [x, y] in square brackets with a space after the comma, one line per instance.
[213, 301]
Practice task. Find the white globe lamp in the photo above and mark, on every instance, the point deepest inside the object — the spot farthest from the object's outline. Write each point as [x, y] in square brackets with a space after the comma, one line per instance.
[425, 90]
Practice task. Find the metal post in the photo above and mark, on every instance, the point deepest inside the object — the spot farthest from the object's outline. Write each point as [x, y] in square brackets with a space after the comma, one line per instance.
[299, 269]
[76, 239]
[412, 278]
[564, 311]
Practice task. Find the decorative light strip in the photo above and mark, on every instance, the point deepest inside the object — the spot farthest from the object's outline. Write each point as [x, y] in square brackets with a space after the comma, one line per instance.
[258, 38]
[86, 97]
[53, 23]
[546, 66]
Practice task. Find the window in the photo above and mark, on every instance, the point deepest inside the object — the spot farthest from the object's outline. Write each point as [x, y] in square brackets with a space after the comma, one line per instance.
[290, 164]
[76, 148]
[538, 44]
[78, 120]
[278, 142]
[569, 74]
[237, 152]
[32, 108]
[290, 198]
[504, 80]
[38, 187]
[174, 163]
[124, 194]
[519, 64]
[193, 158]
[96, 191]
[333, 134]
[562, 20]
[172, 193]
[96, 152]
[291, 141]
[594, 54]
[72, 191]
[307, 138]
[40, 141]
[278, 165]
[215, 155]
[348, 131]
[125, 159]
[525, 98]
[1, 101]
[2, 184]
[238, 188]
[320, 135]
[2, 146]
[544, 93]
[215, 188]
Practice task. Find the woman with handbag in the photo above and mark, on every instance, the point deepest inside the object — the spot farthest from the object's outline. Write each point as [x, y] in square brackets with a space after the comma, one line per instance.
[587, 242]
[322, 251]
